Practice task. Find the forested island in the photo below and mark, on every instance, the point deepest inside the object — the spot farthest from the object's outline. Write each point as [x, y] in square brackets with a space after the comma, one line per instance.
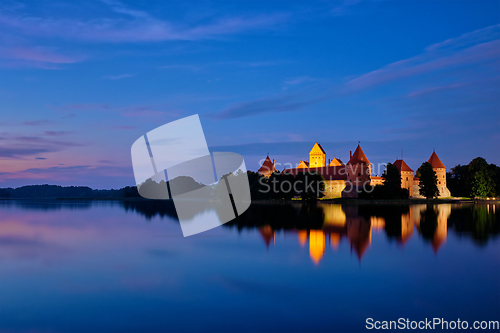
[478, 179]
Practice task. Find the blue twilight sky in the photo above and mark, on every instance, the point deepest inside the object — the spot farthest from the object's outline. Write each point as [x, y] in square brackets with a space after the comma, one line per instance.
[81, 81]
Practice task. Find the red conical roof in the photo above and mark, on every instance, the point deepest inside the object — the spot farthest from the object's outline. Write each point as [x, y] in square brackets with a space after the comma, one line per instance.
[402, 166]
[267, 166]
[435, 161]
[358, 157]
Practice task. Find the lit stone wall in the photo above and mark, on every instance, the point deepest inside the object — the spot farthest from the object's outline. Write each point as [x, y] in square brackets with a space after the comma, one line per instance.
[407, 181]
[334, 188]
[317, 160]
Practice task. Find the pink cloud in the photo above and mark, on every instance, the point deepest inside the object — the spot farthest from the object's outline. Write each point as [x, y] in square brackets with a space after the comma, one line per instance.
[39, 54]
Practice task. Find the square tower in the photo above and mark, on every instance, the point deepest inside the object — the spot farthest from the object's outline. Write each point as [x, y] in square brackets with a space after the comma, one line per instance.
[317, 156]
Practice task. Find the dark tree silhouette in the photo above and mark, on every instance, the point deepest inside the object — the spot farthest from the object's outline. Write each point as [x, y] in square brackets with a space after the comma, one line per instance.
[392, 183]
[477, 179]
[310, 185]
[428, 181]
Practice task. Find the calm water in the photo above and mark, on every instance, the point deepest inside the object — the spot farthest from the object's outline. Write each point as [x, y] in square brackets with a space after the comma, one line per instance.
[125, 267]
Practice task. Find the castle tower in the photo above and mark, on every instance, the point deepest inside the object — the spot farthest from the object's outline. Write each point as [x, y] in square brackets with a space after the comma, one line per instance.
[438, 168]
[440, 171]
[406, 175]
[358, 168]
[317, 156]
[267, 167]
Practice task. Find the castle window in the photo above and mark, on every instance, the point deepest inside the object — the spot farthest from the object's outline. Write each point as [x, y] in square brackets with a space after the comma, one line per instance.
[439, 183]
[359, 174]
[406, 178]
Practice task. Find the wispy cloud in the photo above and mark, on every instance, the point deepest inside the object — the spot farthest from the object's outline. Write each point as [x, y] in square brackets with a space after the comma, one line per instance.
[193, 68]
[435, 89]
[117, 77]
[36, 122]
[38, 140]
[139, 26]
[13, 151]
[57, 133]
[18, 146]
[480, 46]
[299, 80]
[126, 127]
[97, 176]
[35, 56]
[81, 106]
[250, 64]
[471, 50]
[129, 111]
[278, 103]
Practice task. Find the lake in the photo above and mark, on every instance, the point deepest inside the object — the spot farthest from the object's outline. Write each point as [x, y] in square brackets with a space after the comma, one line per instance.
[111, 266]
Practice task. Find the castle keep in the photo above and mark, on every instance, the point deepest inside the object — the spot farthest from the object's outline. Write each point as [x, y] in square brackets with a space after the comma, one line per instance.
[343, 180]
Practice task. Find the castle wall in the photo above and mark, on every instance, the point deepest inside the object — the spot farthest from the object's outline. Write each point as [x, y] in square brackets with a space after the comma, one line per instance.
[334, 188]
[443, 190]
[317, 160]
[441, 176]
[376, 180]
[407, 181]
[358, 174]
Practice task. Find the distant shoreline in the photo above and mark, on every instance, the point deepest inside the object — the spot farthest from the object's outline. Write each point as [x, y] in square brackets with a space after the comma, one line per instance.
[279, 202]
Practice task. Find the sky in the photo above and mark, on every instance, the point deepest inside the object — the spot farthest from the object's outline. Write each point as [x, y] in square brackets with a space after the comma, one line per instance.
[80, 82]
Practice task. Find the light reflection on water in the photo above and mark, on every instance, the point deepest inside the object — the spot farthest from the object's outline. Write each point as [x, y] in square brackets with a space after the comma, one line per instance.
[124, 266]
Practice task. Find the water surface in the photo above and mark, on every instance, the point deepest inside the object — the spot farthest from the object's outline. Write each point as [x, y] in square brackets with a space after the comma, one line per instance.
[89, 266]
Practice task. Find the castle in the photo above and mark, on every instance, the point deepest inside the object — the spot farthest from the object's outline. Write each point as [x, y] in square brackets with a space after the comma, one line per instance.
[344, 180]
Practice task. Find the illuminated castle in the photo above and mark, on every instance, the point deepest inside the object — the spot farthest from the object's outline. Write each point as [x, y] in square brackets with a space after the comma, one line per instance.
[344, 180]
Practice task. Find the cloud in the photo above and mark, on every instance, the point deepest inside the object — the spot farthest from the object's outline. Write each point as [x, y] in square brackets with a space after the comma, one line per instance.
[299, 80]
[84, 106]
[57, 133]
[435, 89]
[41, 140]
[40, 158]
[192, 68]
[197, 68]
[278, 103]
[21, 146]
[16, 152]
[117, 77]
[126, 127]
[477, 47]
[17, 55]
[36, 122]
[37, 54]
[94, 176]
[147, 111]
[471, 50]
[131, 111]
[139, 26]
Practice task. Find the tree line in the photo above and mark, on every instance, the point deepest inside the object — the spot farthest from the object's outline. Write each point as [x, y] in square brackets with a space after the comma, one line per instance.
[309, 186]
[476, 179]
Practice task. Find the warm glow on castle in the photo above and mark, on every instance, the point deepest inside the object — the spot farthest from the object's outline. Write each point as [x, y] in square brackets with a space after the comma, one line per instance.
[344, 223]
[340, 178]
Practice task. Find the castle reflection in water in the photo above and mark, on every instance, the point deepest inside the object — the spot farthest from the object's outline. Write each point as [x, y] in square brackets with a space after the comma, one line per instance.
[355, 224]
[325, 225]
